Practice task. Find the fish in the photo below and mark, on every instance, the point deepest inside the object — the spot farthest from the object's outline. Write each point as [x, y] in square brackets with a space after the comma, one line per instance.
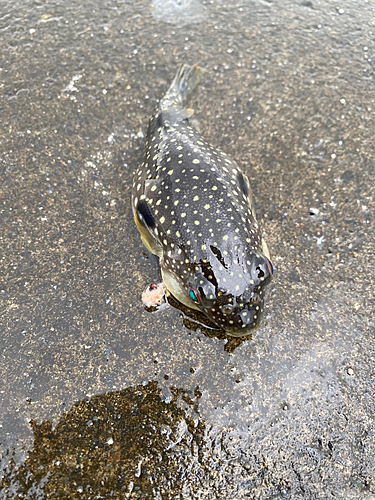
[194, 209]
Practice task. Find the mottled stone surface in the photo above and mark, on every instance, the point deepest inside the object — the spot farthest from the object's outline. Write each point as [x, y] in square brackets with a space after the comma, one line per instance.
[101, 399]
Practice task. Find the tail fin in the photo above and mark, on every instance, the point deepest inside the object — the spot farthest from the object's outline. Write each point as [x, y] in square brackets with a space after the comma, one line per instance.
[185, 81]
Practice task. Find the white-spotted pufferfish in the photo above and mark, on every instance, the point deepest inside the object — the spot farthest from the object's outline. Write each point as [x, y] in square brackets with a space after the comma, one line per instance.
[194, 209]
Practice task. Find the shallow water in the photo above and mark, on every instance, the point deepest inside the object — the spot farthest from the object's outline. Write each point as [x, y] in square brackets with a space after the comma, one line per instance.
[101, 399]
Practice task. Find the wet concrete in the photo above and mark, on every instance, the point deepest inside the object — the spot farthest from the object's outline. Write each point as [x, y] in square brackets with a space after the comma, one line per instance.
[101, 399]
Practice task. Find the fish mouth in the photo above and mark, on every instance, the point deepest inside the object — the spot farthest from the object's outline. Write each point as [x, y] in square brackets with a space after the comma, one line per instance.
[238, 322]
[242, 330]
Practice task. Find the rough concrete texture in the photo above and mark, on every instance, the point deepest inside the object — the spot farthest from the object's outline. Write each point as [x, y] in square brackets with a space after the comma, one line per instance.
[101, 399]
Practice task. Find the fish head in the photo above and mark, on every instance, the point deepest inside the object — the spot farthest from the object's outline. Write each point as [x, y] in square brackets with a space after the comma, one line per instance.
[229, 292]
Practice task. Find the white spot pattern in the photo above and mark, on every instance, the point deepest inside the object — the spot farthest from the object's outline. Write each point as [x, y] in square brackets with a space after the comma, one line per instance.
[215, 236]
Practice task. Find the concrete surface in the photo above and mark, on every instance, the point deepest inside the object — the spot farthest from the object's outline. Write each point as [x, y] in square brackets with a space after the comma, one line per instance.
[101, 399]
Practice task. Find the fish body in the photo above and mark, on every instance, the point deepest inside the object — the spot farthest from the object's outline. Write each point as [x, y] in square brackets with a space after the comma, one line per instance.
[194, 209]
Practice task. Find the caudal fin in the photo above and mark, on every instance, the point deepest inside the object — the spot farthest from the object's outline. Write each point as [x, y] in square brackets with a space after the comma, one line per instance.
[185, 81]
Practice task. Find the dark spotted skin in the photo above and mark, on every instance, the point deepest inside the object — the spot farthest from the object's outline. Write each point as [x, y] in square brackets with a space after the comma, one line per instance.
[193, 207]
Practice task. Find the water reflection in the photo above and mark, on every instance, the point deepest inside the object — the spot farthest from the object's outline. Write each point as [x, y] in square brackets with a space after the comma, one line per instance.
[195, 320]
[179, 12]
[110, 446]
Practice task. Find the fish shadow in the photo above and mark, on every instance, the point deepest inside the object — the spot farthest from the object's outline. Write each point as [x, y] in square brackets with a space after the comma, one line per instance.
[196, 321]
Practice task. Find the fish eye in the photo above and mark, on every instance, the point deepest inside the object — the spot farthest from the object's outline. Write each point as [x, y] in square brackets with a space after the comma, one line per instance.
[270, 266]
[145, 215]
[243, 182]
[194, 296]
